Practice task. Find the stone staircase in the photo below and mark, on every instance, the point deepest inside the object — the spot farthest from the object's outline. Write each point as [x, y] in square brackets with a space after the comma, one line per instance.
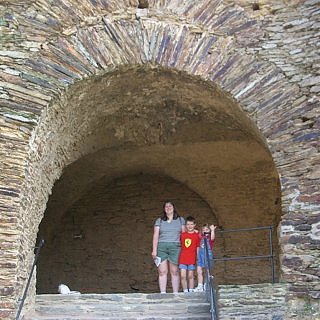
[132, 306]
[241, 302]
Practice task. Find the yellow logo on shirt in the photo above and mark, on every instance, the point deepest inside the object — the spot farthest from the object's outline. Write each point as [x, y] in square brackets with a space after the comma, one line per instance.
[187, 242]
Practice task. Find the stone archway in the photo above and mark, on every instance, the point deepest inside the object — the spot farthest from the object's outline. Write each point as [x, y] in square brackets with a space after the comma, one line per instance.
[248, 53]
[161, 122]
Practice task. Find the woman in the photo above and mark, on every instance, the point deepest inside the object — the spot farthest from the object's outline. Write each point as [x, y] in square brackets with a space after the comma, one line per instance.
[166, 245]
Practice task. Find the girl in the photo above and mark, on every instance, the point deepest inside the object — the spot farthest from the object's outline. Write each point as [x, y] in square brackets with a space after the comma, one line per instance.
[207, 234]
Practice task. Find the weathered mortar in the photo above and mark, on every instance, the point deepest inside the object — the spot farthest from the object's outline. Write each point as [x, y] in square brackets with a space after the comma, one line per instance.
[44, 49]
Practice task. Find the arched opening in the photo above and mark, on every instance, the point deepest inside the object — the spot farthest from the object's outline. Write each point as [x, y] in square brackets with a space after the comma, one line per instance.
[102, 242]
[189, 140]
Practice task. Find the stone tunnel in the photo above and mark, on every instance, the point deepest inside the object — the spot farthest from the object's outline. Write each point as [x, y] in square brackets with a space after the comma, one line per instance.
[177, 138]
[108, 108]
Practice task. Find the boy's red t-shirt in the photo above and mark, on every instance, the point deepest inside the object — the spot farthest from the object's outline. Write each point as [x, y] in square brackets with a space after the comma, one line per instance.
[189, 244]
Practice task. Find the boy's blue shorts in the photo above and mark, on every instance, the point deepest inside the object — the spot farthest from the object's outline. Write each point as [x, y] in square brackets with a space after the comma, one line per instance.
[187, 266]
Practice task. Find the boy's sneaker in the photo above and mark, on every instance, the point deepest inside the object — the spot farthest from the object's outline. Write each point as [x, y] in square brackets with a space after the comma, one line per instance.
[191, 290]
[185, 290]
[199, 288]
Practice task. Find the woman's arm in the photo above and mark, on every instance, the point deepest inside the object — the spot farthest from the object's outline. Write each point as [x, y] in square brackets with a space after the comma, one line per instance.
[156, 231]
[183, 224]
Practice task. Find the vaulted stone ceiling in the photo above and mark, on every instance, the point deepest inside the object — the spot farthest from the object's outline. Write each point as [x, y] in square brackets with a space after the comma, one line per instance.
[156, 121]
[139, 122]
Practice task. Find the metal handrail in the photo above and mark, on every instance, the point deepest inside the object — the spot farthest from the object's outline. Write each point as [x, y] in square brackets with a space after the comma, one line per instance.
[244, 229]
[40, 244]
[269, 256]
[210, 289]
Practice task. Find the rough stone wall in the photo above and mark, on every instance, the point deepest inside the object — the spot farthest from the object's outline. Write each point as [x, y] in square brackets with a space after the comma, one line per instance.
[102, 243]
[252, 54]
[103, 258]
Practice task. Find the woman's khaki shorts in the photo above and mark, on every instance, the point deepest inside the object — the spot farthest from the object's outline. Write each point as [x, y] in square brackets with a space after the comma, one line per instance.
[169, 251]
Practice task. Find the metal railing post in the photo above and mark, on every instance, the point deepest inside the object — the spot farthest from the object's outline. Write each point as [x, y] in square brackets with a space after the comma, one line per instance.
[41, 243]
[210, 284]
[271, 254]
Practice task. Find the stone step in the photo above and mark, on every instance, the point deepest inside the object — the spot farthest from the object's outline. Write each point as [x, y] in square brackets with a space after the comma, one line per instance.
[242, 302]
[122, 298]
[191, 306]
[151, 308]
[124, 316]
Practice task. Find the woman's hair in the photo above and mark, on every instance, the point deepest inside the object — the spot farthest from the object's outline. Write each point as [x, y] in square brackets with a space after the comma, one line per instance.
[163, 213]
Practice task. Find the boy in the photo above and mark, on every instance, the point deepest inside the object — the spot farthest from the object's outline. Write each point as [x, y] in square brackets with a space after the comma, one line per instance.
[190, 243]
[207, 234]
